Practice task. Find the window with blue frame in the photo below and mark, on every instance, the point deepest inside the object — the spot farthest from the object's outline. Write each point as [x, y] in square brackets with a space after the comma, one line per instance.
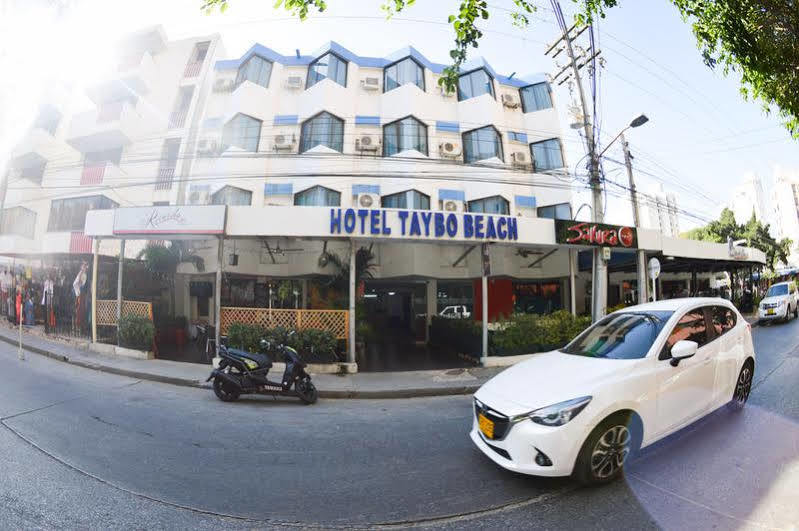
[231, 196]
[410, 199]
[255, 69]
[324, 129]
[536, 97]
[547, 155]
[242, 131]
[559, 211]
[475, 84]
[318, 196]
[481, 144]
[405, 71]
[329, 66]
[490, 205]
[405, 134]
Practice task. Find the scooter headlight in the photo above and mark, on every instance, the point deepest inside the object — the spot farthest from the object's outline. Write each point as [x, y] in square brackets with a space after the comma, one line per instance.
[556, 414]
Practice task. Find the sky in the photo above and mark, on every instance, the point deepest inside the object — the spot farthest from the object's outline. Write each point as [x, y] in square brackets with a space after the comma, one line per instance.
[701, 140]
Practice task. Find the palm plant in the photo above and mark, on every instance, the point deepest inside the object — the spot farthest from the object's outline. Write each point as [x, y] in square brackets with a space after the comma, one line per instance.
[162, 261]
[364, 268]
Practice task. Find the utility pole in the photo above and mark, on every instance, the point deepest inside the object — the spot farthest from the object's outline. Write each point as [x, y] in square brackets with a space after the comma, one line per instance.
[641, 255]
[599, 268]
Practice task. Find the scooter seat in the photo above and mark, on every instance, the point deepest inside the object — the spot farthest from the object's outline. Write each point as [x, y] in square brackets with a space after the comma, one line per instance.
[261, 359]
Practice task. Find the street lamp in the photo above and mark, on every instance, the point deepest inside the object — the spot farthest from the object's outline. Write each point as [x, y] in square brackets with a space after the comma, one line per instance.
[637, 122]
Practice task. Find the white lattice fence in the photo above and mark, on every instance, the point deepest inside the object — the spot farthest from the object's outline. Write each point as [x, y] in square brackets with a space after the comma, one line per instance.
[107, 311]
[334, 321]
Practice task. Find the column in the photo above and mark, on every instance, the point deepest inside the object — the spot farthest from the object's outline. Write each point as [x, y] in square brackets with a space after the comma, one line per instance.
[304, 294]
[351, 333]
[95, 260]
[484, 309]
[432, 306]
[572, 288]
[643, 283]
[218, 294]
[120, 271]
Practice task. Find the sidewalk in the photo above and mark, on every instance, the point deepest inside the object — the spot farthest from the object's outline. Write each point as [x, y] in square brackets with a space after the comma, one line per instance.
[360, 385]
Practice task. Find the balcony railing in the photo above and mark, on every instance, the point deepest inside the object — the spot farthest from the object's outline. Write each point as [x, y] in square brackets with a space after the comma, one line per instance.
[178, 119]
[193, 69]
[165, 176]
[79, 243]
[93, 173]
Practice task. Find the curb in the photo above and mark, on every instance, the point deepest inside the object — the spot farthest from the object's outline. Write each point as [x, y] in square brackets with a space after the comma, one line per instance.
[185, 382]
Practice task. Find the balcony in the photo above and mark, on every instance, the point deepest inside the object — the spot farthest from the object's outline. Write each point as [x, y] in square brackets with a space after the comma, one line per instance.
[136, 74]
[193, 69]
[164, 179]
[109, 126]
[253, 100]
[101, 173]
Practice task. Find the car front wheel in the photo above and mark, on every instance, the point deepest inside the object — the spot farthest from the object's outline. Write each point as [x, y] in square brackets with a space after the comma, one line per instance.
[743, 386]
[605, 451]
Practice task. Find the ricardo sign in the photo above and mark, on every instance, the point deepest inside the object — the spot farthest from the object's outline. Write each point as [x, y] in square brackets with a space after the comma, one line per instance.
[595, 234]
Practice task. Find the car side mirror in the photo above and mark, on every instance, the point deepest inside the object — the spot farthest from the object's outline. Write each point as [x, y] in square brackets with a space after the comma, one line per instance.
[681, 350]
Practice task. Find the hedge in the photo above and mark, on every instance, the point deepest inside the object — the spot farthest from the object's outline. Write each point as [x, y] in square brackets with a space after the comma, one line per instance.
[312, 344]
[136, 332]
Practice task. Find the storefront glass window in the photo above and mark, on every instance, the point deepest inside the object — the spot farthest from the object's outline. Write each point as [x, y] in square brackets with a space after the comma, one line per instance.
[70, 214]
[455, 299]
[537, 297]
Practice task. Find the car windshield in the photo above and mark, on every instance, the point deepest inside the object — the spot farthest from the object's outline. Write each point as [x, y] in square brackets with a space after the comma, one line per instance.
[776, 290]
[621, 336]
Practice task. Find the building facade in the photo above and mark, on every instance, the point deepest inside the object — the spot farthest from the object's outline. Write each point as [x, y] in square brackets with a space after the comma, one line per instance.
[785, 204]
[662, 214]
[749, 198]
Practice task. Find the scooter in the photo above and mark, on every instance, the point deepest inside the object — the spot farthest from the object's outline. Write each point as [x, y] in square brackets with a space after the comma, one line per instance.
[241, 372]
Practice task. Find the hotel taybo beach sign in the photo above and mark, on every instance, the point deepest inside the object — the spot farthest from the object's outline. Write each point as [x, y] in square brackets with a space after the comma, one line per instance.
[595, 234]
[424, 224]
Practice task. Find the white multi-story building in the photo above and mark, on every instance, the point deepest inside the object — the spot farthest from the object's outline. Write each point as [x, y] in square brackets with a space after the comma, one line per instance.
[748, 198]
[271, 164]
[785, 204]
[662, 214]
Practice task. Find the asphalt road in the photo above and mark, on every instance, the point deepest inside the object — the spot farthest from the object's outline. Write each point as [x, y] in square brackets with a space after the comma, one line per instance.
[82, 449]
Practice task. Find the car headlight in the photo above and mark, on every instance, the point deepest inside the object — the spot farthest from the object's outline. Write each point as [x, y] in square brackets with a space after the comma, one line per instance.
[556, 414]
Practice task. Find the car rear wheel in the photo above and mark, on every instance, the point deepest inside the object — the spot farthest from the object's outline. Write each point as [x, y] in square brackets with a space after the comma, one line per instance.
[743, 386]
[606, 450]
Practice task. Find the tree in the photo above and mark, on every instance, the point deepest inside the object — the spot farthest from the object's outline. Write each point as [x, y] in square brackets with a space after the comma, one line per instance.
[754, 232]
[758, 39]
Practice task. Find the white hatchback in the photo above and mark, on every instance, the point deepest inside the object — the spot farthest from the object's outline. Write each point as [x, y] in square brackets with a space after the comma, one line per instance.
[630, 379]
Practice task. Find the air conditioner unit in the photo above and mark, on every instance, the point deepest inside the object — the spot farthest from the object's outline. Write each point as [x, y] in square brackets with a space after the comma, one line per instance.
[449, 149]
[199, 195]
[284, 141]
[511, 101]
[368, 201]
[370, 83]
[208, 146]
[367, 143]
[445, 93]
[294, 82]
[451, 205]
[224, 85]
[520, 158]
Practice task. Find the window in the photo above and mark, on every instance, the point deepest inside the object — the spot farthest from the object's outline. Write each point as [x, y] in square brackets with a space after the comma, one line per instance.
[255, 69]
[324, 129]
[776, 290]
[517, 137]
[101, 158]
[481, 144]
[547, 155]
[411, 199]
[243, 132]
[33, 171]
[723, 319]
[620, 336]
[19, 221]
[405, 71]
[70, 214]
[181, 109]
[231, 196]
[318, 196]
[490, 205]
[475, 84]
[168, 163]
[536, 97]
[200, 51]
[691, 327]
[405, 134]
[559, 211]
[328, 66]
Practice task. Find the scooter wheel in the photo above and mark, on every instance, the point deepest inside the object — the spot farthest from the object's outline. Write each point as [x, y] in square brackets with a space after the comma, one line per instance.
[306, 391]
[224, 392]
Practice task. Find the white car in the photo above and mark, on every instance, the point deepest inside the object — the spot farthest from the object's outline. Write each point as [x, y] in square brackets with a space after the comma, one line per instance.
[455, 312]
[780, 302]
[630, 379]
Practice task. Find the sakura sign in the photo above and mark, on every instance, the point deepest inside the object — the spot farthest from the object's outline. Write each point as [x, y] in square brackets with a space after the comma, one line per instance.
[595, 234]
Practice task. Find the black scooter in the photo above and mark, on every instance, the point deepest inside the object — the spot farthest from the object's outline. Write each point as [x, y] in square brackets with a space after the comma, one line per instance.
[241, 372]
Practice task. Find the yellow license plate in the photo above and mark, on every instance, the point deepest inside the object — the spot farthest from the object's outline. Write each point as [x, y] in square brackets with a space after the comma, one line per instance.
[770, 312]
[486, 426]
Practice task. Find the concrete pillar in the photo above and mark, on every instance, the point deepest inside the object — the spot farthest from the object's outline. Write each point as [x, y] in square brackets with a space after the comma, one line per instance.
[120, 272]
[432, 305]
[304, 295]
[572, 288]
[351, 334]
[484, 303]
[643, 284]
[95, 260]
[218, 294]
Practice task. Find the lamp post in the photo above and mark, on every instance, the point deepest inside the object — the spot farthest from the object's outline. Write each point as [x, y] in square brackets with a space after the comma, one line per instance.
[599, 290]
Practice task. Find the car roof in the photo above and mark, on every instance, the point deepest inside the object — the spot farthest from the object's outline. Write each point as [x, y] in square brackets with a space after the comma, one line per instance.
[786, 282]
[674, 305]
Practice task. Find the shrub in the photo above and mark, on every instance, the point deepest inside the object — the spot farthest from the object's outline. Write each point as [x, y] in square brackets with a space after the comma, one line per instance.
[461, 335]
[312, 344]
[136, 332]
[245, 337]
[529, 333]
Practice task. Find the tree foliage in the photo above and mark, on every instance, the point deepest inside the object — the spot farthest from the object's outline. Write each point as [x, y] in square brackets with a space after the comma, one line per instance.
[754, 232]
[757, 39]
